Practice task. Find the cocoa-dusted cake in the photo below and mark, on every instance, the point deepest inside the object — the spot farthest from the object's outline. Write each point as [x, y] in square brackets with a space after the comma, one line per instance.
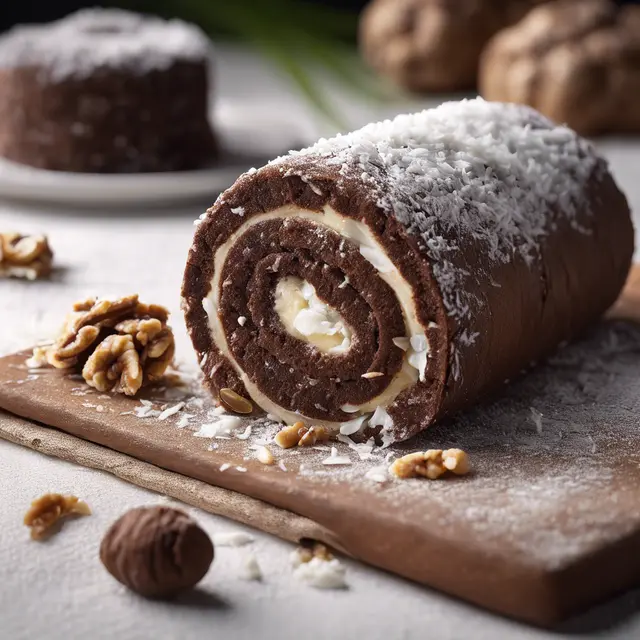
[385, 279]
[106, 91]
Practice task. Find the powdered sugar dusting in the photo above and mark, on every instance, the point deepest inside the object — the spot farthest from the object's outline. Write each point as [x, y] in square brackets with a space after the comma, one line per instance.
[92, 39]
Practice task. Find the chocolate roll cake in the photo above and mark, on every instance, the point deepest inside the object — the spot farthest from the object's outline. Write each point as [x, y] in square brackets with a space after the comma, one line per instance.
[385, 279]
[106, 91]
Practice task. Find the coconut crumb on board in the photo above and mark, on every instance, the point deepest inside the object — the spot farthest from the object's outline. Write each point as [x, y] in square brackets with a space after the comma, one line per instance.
[171, 411]
[232, 539]
[322, 574]
[251, 569]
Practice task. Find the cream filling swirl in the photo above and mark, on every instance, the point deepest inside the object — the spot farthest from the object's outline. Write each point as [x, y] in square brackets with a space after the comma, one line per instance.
[414, 342]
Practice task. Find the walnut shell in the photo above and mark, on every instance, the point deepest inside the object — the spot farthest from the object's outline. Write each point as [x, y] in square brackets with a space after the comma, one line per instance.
[157, 552]
[433, 45]
[576, 61]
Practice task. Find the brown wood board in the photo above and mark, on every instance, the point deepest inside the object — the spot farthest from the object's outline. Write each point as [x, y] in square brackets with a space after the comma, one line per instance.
[547, 524]
[216, 500]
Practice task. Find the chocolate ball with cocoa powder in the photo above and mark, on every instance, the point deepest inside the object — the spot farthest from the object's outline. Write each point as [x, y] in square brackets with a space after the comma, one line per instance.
[433, 45]
[157, 552]
[576, 61]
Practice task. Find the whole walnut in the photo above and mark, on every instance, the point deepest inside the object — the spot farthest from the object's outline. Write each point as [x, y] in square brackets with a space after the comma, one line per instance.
[433, 45]
[576, 61]
[157, 552]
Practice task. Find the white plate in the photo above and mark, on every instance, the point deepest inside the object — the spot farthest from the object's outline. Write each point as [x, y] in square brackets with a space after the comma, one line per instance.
[248, 138]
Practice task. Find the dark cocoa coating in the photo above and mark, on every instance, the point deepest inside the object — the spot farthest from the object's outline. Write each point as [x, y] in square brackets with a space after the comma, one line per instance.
[157, 552]
[113, 121]
[523, 312]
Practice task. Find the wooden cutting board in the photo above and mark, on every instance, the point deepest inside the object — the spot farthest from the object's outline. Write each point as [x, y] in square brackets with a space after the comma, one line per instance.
[546, 525]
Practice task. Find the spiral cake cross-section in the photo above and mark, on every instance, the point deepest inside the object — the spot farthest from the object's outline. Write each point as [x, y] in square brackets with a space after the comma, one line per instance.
[381, 280]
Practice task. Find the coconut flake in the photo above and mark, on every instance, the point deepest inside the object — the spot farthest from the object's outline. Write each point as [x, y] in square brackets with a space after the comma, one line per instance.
[335, 459]
[232, 539]
[322, 574]
[239, 211]
[245, 434]
[377, 474]
[349, 408]
[171, 411]
[381, 418]
[419, 354]
[352, 426]
[402, 343]
[224, 427]
[536, 417]
[251, 569]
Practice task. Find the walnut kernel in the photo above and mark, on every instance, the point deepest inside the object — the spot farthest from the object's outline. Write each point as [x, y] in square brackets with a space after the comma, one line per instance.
[313, 436]
[116, 344]
[307, 553]
[300, 435]
[48, 509]
[431, 464]
[23, 256]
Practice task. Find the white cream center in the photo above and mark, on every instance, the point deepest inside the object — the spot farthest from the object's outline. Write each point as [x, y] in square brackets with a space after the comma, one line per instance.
[306, 317]
[413, 343]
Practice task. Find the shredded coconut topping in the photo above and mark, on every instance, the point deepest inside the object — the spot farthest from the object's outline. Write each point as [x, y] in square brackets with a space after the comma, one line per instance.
[97, 38]
[498, 174]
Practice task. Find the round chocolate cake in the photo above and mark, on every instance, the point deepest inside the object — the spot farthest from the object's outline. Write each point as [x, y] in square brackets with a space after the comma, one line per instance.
[106, 91]
[387, 278]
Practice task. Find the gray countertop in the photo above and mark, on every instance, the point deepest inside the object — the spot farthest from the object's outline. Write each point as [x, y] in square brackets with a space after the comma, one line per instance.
[59, 589]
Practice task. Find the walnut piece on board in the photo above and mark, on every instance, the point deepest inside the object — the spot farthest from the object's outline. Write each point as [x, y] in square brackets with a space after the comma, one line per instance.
[431, 464]
[576, 62]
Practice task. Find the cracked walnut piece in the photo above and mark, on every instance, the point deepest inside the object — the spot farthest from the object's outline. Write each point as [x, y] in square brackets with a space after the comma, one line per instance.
[300, 435]
[117, 344]
[431, 464]
[48, 509]
[28, 257]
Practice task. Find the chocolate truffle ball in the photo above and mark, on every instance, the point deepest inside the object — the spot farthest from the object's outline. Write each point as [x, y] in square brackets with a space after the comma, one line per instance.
[157, 552]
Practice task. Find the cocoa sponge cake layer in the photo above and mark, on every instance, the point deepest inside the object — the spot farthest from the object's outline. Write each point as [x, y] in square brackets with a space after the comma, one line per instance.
[384, 279]
[106, 91]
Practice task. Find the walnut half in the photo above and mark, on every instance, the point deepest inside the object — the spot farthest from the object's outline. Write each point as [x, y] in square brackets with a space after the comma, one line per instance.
[48, 509]
[21, 256]
[431, 464]
[117, 344]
